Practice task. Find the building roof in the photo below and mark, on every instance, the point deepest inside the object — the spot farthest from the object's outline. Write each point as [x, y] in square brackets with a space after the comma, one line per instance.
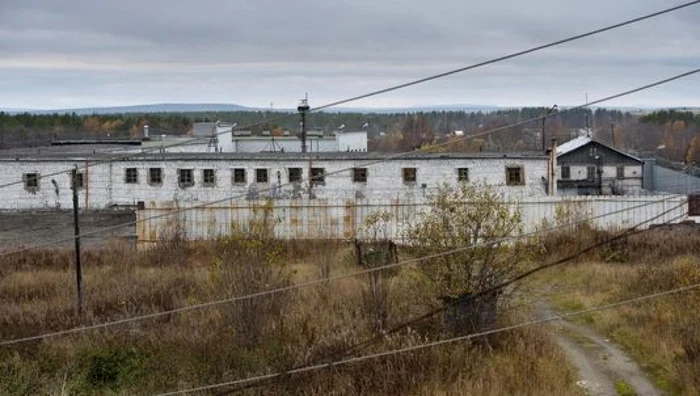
[581, 141]
[573, 144]
[203, 128]
[55, 154]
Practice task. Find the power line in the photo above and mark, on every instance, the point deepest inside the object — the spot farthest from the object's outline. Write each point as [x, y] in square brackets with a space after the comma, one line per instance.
[436, 343]
[302, 285]
[366, 343]
[510, 56]
[436, 76]
[365, 164]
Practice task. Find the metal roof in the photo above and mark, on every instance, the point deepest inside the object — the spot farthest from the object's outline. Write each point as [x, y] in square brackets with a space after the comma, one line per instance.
[581, 141]
[47, 154]
[573, 144]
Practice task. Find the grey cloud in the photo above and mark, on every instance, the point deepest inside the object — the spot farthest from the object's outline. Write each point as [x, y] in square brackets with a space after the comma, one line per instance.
[254, 52]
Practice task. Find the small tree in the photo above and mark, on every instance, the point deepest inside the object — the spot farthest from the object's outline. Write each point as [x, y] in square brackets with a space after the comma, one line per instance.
[478, 219]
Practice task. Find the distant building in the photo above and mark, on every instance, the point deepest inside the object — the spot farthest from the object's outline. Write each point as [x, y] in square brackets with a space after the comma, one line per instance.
[586, 166]
[221, 138]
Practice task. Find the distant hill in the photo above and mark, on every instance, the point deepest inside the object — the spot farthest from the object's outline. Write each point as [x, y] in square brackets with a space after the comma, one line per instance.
[223, 108]
[149, 108]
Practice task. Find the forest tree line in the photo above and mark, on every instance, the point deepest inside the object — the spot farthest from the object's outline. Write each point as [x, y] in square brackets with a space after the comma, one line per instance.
[671, 134]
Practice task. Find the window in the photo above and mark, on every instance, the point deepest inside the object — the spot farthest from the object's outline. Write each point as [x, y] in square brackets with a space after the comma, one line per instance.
[565, 172]
[590, 173]
[515, 176]
[239, 176]
[185, 178]
[318, 176]
[80, 180]
[409, 175]
[208, 178]
[294, 175]
[31, 181]
[261, 176]
[463, 174]
[620, 172]
[155, 176]
[359, 175]
[131, 175]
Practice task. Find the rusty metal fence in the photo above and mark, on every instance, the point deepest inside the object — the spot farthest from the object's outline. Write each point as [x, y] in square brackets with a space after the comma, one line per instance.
[347, 219]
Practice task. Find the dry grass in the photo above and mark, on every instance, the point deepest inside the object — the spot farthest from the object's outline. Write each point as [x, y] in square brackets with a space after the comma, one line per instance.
[662, 335]
[214, 345]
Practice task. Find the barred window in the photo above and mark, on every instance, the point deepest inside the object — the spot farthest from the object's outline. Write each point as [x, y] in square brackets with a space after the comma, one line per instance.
[515, 176]
[131, 176]
[261, 176]
[208, 177]
[463, 175]
[185, 178]
[155, 176]
[239, 176]
[565, 172]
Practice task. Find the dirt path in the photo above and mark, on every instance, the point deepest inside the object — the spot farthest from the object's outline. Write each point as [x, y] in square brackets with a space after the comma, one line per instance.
[600, 363]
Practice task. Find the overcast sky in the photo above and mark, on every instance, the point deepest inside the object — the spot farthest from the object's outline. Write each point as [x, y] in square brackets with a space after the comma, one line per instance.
[80, 53]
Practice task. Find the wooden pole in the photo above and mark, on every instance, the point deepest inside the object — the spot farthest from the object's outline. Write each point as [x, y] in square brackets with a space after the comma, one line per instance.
[76, 229]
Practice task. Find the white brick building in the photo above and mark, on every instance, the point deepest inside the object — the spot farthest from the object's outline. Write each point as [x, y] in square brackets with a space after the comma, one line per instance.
[203, 177]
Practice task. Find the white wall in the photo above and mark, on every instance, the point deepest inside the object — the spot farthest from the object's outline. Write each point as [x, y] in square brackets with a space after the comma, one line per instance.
[106, 182]
[347, 218]
[351, 141]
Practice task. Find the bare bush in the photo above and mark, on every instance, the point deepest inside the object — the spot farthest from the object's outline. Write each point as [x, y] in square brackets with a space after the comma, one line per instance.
[477, 220]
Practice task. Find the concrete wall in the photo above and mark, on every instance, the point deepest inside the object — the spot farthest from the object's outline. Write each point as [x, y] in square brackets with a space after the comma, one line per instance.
[660, 179]
[106, 186]
[311, 219]
[351, 141]
[286, 144]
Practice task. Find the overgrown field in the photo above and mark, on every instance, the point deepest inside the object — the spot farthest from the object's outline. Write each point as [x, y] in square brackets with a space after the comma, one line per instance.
[313, 324]
[247, 338]
[663, 335]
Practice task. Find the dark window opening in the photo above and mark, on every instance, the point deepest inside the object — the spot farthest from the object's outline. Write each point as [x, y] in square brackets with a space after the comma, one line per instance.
[209, 178]
[590, 173]
[409, 175]
[155, 176]
[239, 176]
[294, 175]
[131, 175]
[261, 176]
[515, 176]
[463, 174]
[620, 172]
[318, 176]
[359, 175]
[565, 172]
[31, 181]
[80, 180]
[185, 178]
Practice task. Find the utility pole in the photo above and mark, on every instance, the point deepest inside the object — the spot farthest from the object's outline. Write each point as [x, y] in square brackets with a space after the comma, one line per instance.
[76, 225]
[544, 118]
[612, 133]
[303, 108]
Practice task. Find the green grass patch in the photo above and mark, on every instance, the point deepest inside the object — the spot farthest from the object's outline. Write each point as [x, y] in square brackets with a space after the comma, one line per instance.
[624, 389]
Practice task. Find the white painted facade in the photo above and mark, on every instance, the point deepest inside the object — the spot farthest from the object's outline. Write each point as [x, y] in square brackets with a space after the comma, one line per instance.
[347, 219]
[228, 142]
[106, 186]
